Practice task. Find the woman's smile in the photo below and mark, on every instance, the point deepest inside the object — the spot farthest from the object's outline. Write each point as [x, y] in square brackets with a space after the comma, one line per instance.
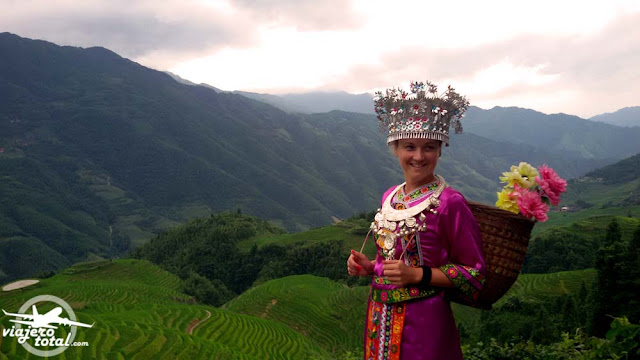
[418, 159]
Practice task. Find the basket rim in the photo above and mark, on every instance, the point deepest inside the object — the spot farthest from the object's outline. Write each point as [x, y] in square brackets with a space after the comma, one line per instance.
[499, 212]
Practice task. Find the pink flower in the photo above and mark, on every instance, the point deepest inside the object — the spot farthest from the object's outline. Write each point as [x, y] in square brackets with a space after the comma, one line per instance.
[531, 205]
[383, 296]
[453, 272]
[551, 184]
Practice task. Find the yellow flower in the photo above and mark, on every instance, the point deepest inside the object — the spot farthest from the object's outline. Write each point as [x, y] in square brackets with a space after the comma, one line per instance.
[522, 175]
[507, 201]
[528, 174]
[512, 177]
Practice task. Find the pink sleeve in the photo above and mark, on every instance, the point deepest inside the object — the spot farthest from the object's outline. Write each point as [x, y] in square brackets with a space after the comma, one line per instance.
[466, 264]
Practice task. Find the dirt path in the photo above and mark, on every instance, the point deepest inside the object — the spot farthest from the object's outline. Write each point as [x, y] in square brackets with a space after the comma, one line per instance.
[19, 284]
[266, 310]
[197, 322]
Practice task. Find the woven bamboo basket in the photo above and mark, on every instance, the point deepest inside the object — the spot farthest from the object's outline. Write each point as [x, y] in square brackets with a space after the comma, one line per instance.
[505, 237]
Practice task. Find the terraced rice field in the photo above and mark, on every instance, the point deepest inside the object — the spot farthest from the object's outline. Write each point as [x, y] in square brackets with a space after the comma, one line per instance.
[536, 287]
[325, 311]
[140, 313]
[542, 286]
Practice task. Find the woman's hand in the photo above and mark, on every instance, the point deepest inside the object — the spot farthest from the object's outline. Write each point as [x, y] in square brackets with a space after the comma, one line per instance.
[397, 273]
[359, 265]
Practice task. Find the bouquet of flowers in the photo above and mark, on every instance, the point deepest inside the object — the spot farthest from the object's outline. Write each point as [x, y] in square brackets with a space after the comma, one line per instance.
[529, 191]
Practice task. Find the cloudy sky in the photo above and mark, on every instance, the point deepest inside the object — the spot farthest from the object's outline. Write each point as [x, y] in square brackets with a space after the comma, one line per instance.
[577, 57]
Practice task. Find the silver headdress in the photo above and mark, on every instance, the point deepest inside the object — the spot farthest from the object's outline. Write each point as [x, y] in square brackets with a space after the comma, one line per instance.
[422, 113]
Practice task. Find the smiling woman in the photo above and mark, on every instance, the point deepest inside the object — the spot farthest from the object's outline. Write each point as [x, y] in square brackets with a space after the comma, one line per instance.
[418, 159]
[428, 243]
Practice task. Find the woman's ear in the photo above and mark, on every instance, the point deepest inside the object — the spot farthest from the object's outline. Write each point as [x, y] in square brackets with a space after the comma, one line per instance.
[394, 148]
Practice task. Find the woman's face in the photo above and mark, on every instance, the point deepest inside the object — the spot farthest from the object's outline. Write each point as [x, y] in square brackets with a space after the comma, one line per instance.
[418, 159]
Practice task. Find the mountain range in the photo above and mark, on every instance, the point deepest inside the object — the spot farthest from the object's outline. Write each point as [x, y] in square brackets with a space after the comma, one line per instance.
[319, 102]
[629, 116]
[99, 153]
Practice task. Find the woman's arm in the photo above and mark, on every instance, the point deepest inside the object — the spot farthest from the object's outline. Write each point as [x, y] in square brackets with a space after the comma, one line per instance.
[398, 273]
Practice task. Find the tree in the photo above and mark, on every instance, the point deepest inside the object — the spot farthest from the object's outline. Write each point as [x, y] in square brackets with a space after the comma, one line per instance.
[618, 280]
[210, 292]
[614, 233]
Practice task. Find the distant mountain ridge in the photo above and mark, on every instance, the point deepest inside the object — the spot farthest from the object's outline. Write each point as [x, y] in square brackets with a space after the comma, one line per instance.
[575, 137]
[629, 116]
[305, 103]
[565, 135]
[316, 102]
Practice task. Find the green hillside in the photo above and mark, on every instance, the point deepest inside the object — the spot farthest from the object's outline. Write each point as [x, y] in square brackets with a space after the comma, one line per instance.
[541, 287]
[99, 154]
[325, 311]
[538, 289]
[140, 312]
[557, 133]
[572, 242]
[350, 232]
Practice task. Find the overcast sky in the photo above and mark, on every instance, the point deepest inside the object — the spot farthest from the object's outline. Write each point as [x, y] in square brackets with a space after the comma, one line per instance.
[576, 57]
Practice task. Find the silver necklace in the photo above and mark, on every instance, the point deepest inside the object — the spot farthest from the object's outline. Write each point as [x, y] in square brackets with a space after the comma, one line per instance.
[389, 223]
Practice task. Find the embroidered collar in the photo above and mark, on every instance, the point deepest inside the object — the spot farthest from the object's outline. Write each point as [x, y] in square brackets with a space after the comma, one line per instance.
[416, 194]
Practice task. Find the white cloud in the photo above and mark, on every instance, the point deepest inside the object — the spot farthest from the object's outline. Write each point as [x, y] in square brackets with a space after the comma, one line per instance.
[505, 52]
[151, 30]
[316, 15]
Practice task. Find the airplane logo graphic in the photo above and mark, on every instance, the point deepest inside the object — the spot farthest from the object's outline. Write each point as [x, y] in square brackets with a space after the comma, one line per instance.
[45, 320]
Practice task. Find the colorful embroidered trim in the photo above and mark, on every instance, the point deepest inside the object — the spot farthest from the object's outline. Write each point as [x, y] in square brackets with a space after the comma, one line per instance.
[412, 254]
[416, 194]
[392, 296]
[380, 280]
[467, 280]
[384, 331]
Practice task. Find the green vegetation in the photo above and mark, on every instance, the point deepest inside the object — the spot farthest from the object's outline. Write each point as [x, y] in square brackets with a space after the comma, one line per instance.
[527, 329]
[571, 239]
[573, 246]
[325, 311]
[140, 312]
[205, 253]
[101, 154]
[618, 273]
[539, 307]
[621, 342]
[558, 133]
[624, 171]
[351, 233]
